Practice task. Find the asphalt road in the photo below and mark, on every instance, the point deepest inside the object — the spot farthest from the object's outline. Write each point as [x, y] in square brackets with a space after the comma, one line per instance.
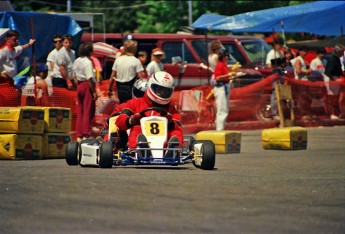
[255, 191]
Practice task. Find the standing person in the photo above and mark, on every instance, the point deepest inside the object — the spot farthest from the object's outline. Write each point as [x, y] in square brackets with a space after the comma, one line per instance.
[333, 67]
[51, 59]
[333, 72]
[86, 90]
[275, 55]
[300, 65]
[9, 54]
[156, 62]
[215, 47]
[126, 69]
[142, 56]
[319, 63]
[41, 86]
[222, 90]
[63, 71]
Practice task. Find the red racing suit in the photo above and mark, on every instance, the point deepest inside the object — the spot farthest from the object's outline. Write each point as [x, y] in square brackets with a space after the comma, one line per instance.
[136, 105]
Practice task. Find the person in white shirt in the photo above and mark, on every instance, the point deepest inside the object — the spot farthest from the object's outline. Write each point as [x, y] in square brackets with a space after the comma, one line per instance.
[9, 54]
[37, 91]
[86, 90]
[300, 65]
[51, 58]
[64, 62]
[275, 55]
[215, 47]
[319, 62]
[126, 70]
[156, 64]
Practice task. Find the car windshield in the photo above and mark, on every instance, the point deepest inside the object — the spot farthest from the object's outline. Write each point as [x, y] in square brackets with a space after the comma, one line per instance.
[202, 50]
[256, 50]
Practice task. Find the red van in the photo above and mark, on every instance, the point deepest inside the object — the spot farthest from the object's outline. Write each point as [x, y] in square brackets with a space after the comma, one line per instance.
[193, 50]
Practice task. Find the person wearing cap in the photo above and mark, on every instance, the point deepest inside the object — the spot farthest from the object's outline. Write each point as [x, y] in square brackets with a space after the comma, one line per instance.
[41, 88]
[9, 54]
[222, 89]
[300, 65]
[126, 70]
[156, 62]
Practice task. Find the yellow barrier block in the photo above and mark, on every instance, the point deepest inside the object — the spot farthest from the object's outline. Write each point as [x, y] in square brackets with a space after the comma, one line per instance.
[289, 138]
[225, 141]
[54, 144]
[20, 146]
[56, 119]
[21, 120]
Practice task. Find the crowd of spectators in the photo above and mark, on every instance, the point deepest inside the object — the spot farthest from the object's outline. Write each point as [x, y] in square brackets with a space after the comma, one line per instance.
[63, 70]
[330, 68]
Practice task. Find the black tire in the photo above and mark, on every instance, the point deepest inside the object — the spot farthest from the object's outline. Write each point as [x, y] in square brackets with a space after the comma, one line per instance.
[264, 112]
[191, 140]
[72, 153]
[106, 155]
[208, 152]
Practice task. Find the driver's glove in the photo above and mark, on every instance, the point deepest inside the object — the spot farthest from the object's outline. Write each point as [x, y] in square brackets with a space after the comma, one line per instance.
[135, 119]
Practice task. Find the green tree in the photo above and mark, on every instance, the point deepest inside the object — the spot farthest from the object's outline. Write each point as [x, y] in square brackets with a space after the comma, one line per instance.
[148, 15]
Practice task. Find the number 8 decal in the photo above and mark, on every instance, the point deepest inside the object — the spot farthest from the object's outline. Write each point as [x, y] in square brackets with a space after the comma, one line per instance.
[154, 128]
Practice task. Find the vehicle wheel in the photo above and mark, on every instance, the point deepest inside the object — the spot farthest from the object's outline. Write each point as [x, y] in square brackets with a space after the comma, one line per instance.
[106, 155]
[191, 140]
[264, 111]
[72, 153]
[208, 155]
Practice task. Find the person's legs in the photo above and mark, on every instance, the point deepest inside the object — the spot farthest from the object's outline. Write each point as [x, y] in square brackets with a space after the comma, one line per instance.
[222, 103]
[142, 143]
[172, 143]
[80, 114]
[89, 111]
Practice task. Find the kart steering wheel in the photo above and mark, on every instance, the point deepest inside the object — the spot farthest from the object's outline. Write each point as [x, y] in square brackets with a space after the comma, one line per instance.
[161, 111]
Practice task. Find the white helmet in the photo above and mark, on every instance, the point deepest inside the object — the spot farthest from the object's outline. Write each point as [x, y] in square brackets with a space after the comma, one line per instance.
[160, 87]
[139, 88]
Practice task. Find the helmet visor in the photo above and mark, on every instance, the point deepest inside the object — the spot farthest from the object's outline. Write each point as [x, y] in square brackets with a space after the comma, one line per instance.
[161, 91]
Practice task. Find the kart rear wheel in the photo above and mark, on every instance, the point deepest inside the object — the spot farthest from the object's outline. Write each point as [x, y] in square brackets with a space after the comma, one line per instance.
[208, 155]
[72, 153]
[106, 155]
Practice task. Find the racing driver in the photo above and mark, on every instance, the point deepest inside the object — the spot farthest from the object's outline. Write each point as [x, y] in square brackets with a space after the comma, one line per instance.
[160, 89]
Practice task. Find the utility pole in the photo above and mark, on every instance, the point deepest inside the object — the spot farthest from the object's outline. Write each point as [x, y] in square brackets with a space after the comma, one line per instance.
[190, 16]
[69, 5]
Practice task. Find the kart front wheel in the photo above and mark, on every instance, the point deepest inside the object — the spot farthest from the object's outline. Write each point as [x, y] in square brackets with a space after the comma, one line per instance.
[72, 153]
[191, 141]
[207, 153]
[106, 155]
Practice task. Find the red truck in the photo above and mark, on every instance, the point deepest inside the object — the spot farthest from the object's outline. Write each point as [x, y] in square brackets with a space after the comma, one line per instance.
[193, 51]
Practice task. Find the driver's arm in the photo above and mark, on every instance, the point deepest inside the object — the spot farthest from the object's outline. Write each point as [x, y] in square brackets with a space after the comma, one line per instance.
[122, 122]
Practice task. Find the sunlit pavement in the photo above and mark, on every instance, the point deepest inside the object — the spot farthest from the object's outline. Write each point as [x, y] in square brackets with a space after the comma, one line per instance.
[254, 191]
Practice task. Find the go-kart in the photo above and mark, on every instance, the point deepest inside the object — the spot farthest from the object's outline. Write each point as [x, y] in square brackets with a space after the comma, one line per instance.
[105, 154]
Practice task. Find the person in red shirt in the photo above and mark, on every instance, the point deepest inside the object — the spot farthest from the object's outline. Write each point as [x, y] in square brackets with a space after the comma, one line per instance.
[222, 89]
[159, 91]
